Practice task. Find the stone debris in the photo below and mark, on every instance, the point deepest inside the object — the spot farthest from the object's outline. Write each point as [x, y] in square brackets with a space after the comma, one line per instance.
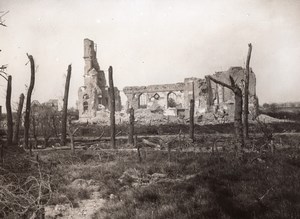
[268, 119]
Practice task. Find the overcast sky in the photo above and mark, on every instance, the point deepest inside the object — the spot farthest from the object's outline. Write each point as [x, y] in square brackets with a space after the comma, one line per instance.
[151, 42]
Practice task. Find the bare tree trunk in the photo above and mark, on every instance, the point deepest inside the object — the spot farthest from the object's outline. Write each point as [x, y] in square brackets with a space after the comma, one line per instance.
[131, 126]
[9, 113]
[138, 147]
[19, 118]
[217, 94]
[238, 97]
[55, 128]
[28, 103]
[1, 142]
[256, 107]
[1, 153]
[71, 135]
[112, 108]
[238, 123]
[34, 131]
[209, 92]
[192, 125]
[72, 144]
[65, 108]
[0, 114]
[246, 94]
[46, 142]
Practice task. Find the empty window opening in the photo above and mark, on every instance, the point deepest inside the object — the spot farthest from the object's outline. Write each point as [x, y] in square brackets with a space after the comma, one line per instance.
[85, 106]
[142, 104]
[85, 97]
[172, 97]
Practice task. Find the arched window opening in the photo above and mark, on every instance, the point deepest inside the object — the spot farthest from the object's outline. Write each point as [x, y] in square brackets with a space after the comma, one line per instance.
[142, 104]
[100, 99]
[85, 97]
[85, 106]
[172, 97]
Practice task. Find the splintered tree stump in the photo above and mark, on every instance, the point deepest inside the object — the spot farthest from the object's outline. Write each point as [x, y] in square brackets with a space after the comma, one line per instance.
[246, 94]
[65, 108]
[9, 112]
[131, 126]
[28, 104]
[138, 147]
[192, 124]
[18, 120]
[238, 97]
[112, 108]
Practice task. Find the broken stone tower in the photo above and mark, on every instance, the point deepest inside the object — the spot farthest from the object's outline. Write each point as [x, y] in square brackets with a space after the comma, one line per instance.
[94, 96]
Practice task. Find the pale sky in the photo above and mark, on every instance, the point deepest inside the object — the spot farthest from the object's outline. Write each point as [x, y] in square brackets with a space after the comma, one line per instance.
[151, 42]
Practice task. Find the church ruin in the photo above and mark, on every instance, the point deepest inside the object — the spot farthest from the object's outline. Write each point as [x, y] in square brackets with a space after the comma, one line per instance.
[174, 99]
[94, 95]
[168, 99]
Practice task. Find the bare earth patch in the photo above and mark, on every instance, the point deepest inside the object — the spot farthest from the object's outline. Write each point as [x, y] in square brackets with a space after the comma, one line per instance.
[85, 209]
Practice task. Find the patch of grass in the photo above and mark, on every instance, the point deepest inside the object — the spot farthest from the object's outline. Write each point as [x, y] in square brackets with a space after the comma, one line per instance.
[83, 194]
[149, 194]
[69, 195]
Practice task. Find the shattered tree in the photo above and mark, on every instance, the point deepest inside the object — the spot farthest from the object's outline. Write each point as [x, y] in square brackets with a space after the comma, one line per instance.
[131, 126]
[192, 125]
[34, 129]
[28, 103]
[246, 94]
[9, 112]
[71, 134]
[238, 100]
[18, 119]
[192, 114]
[65, 108]
[112, 108]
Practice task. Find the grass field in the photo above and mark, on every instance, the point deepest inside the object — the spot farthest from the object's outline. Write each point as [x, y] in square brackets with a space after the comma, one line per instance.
[188, 185]
[191, 182]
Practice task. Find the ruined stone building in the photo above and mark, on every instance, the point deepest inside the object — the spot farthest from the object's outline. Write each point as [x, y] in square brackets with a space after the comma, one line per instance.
[170, 99]
[174, 99]
[94, 95]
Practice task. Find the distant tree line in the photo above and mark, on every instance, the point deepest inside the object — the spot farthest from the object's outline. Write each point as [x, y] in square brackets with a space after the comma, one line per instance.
[290, 111]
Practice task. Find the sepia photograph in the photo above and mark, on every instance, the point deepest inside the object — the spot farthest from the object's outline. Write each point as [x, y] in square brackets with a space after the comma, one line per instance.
[149, 109]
